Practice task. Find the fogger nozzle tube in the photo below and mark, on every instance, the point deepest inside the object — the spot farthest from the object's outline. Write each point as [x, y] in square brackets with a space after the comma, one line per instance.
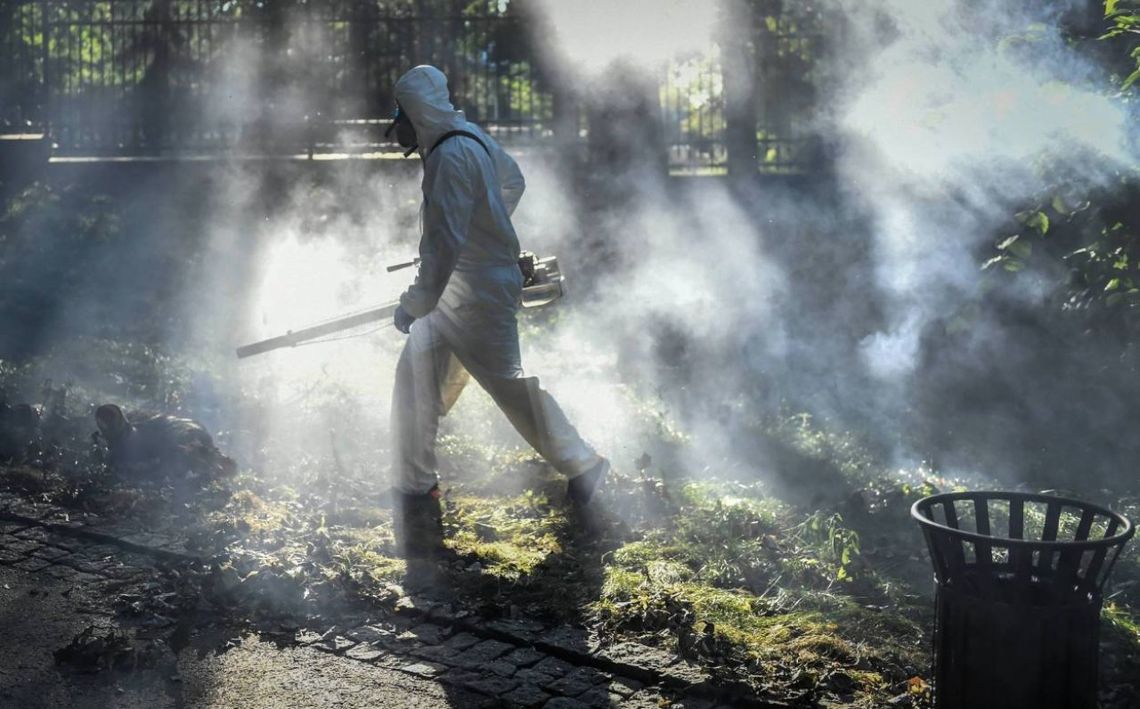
[403, 265]
[542, 285]
[296, 337]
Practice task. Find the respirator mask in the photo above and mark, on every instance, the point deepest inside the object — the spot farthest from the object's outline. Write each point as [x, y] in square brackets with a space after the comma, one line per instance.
[405, 132]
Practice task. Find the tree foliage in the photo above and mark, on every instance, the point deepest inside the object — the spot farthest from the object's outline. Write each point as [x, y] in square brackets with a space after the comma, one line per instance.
[1094, 236]
[1124, 16]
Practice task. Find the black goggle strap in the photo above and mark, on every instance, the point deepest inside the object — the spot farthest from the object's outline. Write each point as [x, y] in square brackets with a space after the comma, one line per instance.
[392, 126]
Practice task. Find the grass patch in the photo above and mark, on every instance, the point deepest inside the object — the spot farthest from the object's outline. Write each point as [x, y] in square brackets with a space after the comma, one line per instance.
[249, 511]
[736, 633]
[510, 537]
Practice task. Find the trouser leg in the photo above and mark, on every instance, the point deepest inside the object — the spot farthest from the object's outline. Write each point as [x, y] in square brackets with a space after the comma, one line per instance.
[486, 341]
[429, 379]
[541, 422]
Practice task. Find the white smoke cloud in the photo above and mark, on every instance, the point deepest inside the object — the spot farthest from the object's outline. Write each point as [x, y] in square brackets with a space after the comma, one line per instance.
[589, 35]
[950, 117]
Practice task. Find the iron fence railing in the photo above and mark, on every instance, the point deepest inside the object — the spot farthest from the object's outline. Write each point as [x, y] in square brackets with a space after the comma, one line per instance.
[174, 76]
[157, 75]
[789, 50]
[693, 116]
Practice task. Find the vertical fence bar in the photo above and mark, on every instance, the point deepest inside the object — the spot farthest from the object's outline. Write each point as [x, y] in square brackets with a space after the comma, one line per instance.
[45, 41]
[75, 125]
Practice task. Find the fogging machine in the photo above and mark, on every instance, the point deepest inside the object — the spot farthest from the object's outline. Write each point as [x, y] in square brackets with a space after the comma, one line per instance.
[542, 285]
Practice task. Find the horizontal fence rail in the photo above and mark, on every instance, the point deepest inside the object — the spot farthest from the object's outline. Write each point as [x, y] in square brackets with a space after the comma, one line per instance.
[161, 77]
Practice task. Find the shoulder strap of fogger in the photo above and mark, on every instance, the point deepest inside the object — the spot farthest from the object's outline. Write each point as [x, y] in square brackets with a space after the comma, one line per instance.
[465, 133]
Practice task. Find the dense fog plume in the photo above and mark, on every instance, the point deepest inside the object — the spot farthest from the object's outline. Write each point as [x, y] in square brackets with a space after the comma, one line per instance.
[589, 35]
[653, 339]
[953, 111]
[321, 254]
[945, 117]
[273, 246]
[955, 117]
[671, 291]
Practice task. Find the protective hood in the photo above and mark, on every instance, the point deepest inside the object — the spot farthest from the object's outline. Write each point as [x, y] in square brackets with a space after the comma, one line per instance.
[422, 94]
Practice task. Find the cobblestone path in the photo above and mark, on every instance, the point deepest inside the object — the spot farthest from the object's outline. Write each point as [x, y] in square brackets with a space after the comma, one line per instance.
[60, 574]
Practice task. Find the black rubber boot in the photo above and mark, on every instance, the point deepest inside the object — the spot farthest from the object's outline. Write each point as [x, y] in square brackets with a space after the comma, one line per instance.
[419, 523]
[580, 488]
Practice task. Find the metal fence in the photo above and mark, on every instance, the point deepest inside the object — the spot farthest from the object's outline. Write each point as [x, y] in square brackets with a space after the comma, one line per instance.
[785, 49]
[789, 54]
[153, 77]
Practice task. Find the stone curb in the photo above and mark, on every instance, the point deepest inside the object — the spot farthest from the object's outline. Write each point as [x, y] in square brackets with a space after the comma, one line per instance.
[85, 532]
[500, 630]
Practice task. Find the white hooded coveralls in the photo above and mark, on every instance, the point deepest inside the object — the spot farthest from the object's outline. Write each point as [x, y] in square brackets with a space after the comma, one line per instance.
[466, 296]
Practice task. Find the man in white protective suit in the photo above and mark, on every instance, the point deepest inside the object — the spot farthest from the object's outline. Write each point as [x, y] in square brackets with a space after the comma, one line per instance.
[460, 312]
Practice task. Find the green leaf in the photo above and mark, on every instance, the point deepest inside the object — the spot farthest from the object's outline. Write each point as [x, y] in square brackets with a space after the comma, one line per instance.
[1040, 222]
[1114, 299]
[1112, 285]
[1109, 7]
[1021, 248]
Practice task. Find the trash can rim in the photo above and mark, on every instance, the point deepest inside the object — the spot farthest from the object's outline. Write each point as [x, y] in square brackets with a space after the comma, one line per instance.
[1121, 536]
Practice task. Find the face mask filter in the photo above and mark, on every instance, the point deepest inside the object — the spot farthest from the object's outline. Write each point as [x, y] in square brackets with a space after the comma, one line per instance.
[405, 132]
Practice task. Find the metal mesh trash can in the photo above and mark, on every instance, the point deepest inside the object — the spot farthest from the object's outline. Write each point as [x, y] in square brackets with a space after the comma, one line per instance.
[1018, 579]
